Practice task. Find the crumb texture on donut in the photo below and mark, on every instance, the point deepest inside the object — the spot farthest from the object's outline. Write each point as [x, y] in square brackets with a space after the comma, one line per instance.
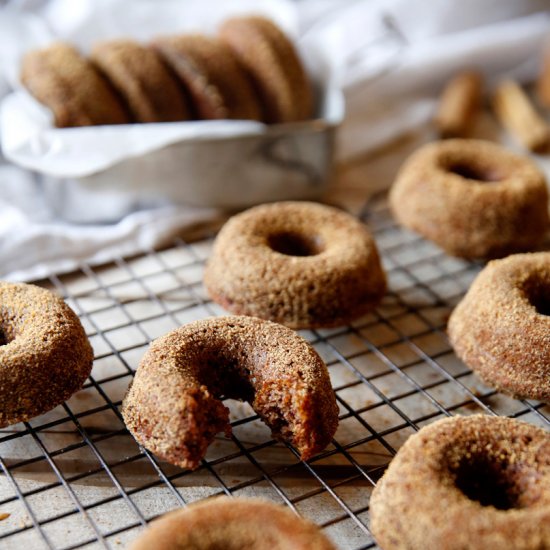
[45, 355]
[173, 406]
[232, 524]
[474, 482]
[473, 198]
[501, 328]
[301, 264]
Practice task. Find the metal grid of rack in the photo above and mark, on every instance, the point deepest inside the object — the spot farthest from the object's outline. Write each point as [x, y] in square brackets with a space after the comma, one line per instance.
[74, 478]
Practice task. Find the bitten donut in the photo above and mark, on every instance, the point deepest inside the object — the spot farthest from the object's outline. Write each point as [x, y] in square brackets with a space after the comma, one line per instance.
[71, 87]
[209, 70]
[301, 264]
[173, 406]
[473, 482]
[142, 79]
[473, 198]
[232, 524]
[501, 328]
[274, 66]
[45, 355]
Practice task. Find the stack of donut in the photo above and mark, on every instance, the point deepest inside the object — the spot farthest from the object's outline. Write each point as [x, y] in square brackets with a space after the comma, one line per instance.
[251, 70]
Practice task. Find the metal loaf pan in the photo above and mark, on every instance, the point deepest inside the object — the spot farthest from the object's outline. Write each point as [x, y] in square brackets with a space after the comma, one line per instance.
[284, 161]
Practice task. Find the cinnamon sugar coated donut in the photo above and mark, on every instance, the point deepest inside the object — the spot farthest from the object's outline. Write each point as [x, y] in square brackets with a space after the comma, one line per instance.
[68, 84]
[476, 483]
[142, 79]
[473, 198]
[501, 328]
[210, 72]
[173, 406]
[301, 264]
[273, 65]
[232, 524]
[45, 355]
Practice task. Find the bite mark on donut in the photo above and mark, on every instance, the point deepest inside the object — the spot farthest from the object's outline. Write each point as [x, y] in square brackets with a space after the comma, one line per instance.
[174, 406]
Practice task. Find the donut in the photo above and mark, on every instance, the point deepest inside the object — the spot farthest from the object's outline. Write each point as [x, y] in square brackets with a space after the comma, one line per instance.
[71, 87]
[273, 65]
[232, 524]
[173, 406]
[301, 264]
[139, 75]
[45, 355]
[473, 483]
[208, 69]
[473, 198]
[501, 328]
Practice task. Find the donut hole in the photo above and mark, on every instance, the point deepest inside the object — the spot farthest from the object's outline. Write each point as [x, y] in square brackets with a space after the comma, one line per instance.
[471, 171]
[3, 339]
[487, 481]
[539, 296]
[295, 244]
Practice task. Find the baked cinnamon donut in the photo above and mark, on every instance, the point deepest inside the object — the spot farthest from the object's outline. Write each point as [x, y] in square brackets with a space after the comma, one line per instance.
[301, 264]
[45, 355]
[473, 482]
[473, 198]
[232, 524]
[71, 87]
[173, 406]
[273, 65]
[142, 79]
[501, 328]
[210, 72]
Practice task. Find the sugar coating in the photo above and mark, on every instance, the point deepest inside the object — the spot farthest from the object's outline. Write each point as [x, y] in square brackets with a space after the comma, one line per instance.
[173, 406]
[68, 84]
[274, 66]
[417, 504]
[210, 72]
[467, 217]
[232, 524]
[498, 332]
[46, 356]
[141, 77]
[340, 283]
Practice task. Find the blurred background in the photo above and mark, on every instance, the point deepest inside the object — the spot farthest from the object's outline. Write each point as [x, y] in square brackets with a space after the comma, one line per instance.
[378, 68]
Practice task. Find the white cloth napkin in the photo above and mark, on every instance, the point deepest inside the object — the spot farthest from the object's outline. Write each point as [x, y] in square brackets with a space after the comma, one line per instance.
[390, 56]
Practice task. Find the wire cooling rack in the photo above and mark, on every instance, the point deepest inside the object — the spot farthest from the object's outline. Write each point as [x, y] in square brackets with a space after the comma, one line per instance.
[74, 478]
